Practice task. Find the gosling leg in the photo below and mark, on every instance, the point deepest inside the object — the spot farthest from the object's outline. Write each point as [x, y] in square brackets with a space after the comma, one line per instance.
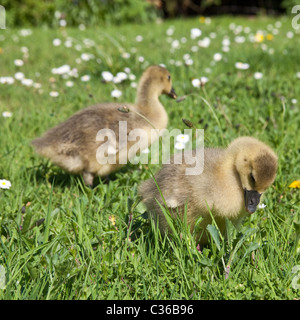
[88, 178]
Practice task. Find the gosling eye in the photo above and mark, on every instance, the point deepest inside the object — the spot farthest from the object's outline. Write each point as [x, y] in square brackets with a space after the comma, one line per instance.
[169, 77]
[252, 178]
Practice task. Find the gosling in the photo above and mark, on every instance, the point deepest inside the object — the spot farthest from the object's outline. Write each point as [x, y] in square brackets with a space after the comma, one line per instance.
[74, 144]
[231, 184]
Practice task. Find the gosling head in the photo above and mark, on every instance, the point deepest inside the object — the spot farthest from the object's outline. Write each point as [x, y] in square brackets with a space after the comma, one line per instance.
[256, 164]
[160, 78]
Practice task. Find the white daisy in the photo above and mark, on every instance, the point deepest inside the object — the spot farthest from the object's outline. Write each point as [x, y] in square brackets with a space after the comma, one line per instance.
[107, 76]
[196, 83]
[85, 78]
[261, 206]
[19, 75]
[68, 43]
[204, 43]
[81, 27]
[73, 73]
[24, 50]
[242, 66]
[184, 138]
[56, 42]
[37, 85]
[8, 80]
[217, 56]
[139, 38]
[170, 31]
[27, 82]
[62, 23]
[195, 33]
[69, 84]
[19, 62]
[179, 145]
[7, 114]
[239, 39]
[85, 56]
[120, 76]
[61, 70]
[189, 62]
[25, 32]
[175, 44]
[258, 75]
[226, 42]
[132, 77]
[125, 55]
[5, 184]
[53, 94]
[116, 93]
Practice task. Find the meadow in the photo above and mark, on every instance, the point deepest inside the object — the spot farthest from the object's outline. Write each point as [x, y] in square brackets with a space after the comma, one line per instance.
[62, 240]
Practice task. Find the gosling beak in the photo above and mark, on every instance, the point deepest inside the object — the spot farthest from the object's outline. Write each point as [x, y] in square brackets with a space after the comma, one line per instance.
[172, 94]
[252, 198]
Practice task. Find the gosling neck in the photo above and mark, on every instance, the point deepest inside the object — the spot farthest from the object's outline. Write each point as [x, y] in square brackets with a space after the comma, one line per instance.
[226, 165]
[147, 97]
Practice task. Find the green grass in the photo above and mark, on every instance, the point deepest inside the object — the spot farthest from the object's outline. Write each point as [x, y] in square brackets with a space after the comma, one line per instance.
[61, 240]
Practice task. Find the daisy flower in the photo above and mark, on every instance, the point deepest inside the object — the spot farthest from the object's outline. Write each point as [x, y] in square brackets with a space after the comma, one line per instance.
[242, 66]
[258, 75]
[53, 94]
[5, 184]
[85, 56]
[116, 93]
[19, 75]
[184, 138]
[85, 78]
[125, 55]
[7, 114]
[198, 82]
[195, 33]
[62, 23]
[188, 62]
[56, 42]
[107, 76]
[204, 43]
[261, 206]
[8, 80]
[217, 56]
[121, 76]
[139, 38]
[179, 145]
[69, 84]
[175, 44]
[19, 62]
[27, 82]
[61, 70]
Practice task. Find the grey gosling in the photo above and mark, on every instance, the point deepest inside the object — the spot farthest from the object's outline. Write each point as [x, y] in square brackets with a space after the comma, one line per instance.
[73, 144]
